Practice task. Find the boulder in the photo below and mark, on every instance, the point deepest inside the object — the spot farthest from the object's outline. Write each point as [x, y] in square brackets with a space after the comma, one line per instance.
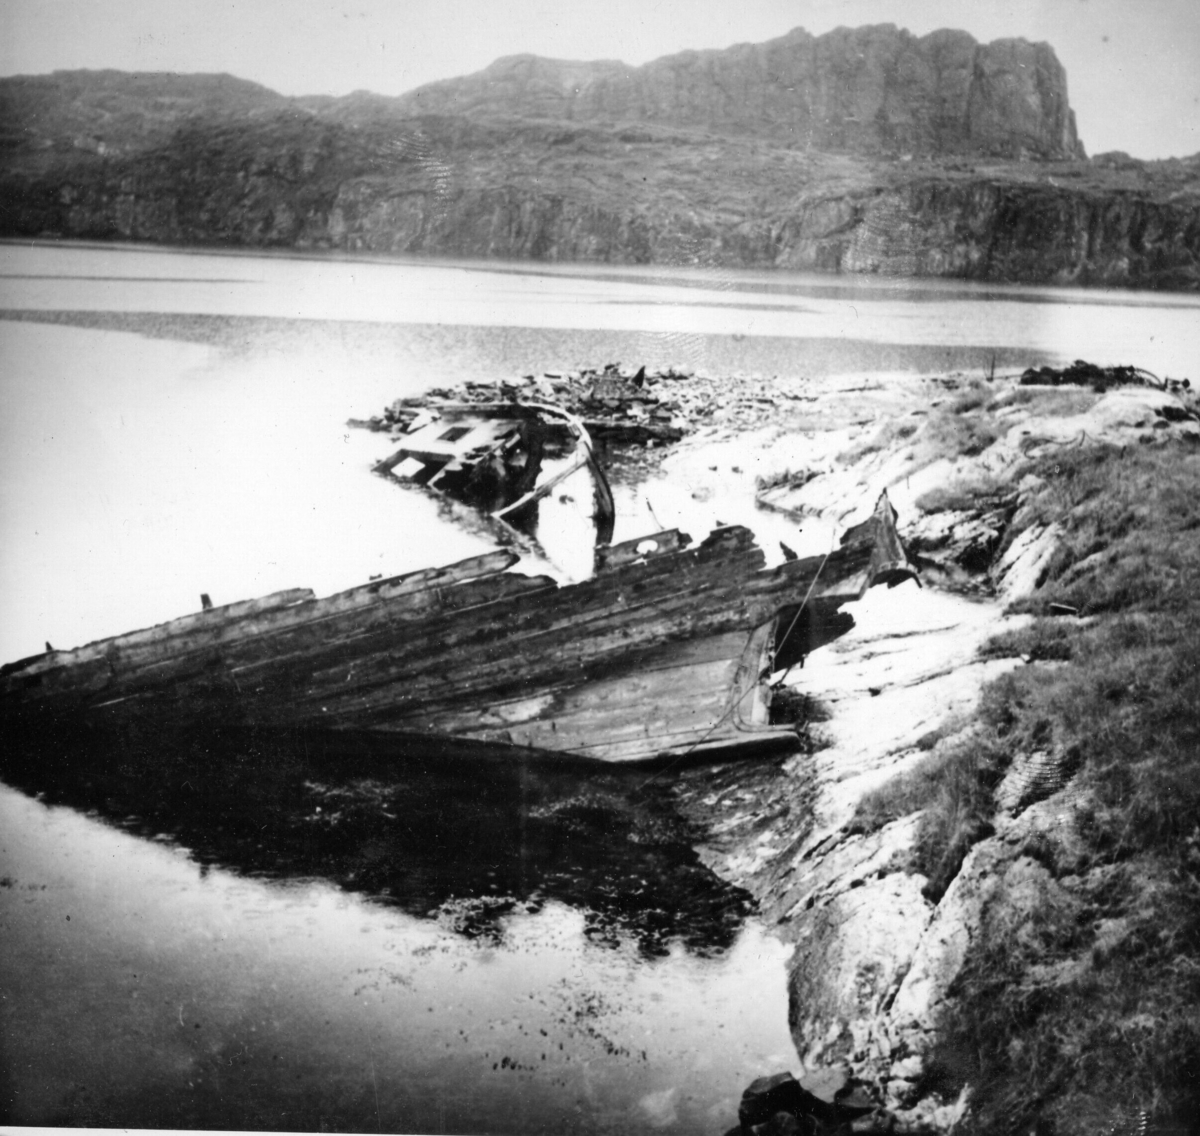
[767, 1097]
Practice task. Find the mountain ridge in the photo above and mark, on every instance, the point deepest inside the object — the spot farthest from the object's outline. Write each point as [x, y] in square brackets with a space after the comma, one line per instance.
[867, 90]
[215, 160]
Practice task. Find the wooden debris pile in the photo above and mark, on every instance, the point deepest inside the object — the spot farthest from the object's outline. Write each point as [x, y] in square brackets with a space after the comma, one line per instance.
[620, 405]
[1084, 374]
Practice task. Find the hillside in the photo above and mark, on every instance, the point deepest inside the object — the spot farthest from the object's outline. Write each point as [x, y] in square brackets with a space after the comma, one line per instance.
[115, 112]
[860, 151]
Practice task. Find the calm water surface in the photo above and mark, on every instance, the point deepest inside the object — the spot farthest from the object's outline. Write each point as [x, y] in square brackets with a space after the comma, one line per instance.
[235, 932]
[256, 934]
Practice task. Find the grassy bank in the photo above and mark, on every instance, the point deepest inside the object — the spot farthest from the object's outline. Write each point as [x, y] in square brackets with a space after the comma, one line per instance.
[1079, 1011]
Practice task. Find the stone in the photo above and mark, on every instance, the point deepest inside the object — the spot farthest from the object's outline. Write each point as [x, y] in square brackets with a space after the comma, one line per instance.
[857, 949]
[855, 1101]
[901, 1093]
[769, 1096]
[943, 948]
[909, 1068]
[878, 1123]
[828, 1082]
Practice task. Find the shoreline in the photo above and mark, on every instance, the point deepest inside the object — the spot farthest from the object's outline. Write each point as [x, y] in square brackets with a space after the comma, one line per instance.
[876, 957]
[723, 277]
[878, 945]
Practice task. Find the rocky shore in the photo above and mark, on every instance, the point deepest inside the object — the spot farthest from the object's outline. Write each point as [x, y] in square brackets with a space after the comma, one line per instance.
[880, 946]
[881, 937]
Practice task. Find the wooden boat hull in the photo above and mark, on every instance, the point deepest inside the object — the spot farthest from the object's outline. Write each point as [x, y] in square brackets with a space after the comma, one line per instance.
[664, 651]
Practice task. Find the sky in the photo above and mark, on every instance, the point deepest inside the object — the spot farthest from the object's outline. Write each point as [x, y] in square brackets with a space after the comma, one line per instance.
[1133, 69]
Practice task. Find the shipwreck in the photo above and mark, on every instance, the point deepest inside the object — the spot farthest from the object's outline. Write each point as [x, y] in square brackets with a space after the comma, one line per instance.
[666, 649]
[509, 464]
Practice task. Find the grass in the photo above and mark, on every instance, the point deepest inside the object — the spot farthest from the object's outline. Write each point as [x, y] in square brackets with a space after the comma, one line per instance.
[785, 479]
[977, 394]
[806, 713]
[1048, 402]
[951, 788]
[1132, 532]
[1081, 1007]
[962, 495]
[949, 431]
[1108, 1039]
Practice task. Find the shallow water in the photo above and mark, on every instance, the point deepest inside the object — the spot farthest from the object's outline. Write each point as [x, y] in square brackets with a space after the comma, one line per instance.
[245, 934]
[279, 932]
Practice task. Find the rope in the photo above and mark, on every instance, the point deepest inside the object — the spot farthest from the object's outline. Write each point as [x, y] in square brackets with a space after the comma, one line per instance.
[749, 690]
[799, 610]
[653, 515]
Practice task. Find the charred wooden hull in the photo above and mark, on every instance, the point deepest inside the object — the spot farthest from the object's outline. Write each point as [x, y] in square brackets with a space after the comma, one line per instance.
[664, 651]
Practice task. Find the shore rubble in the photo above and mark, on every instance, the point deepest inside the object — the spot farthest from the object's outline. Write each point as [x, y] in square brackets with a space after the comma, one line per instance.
[623, 407]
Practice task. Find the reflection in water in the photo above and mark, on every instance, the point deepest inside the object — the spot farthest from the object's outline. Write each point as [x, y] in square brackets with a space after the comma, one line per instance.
[463, 833]
[306, 932]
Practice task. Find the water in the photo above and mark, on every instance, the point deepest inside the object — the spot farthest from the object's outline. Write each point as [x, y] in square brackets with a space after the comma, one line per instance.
[281, 932]
[250, 935]
[173, 421]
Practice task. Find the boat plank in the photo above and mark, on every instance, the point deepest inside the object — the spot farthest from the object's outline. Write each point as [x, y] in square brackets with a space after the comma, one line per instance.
[732, 663]
[217, 617]
[292, 607]
[529, 616]
[286, 633]
[568, 695]
[529, 633]
[549, 647]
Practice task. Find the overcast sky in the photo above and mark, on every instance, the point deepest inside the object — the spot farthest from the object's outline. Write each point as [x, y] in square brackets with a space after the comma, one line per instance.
[1133, 67]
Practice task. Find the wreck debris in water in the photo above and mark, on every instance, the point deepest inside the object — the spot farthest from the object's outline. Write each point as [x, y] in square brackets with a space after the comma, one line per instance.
[615, 405]
[504, 460]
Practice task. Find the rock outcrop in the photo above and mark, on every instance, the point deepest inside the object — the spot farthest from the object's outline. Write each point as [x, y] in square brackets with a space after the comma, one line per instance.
[300, 182]
[796, 154]
[882, 948]
[868, 90]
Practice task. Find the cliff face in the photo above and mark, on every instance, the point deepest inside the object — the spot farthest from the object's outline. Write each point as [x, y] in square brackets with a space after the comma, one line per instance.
[986, 229]
[866, 90]
[872, 90]
[453, 190]
[793, 154]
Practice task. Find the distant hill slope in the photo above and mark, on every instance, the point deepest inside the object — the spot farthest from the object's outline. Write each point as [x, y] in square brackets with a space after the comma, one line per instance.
[871, 90]
[118, 111]
[210, 159]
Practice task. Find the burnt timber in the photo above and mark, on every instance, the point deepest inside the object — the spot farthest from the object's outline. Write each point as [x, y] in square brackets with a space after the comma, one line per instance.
[665, 650]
